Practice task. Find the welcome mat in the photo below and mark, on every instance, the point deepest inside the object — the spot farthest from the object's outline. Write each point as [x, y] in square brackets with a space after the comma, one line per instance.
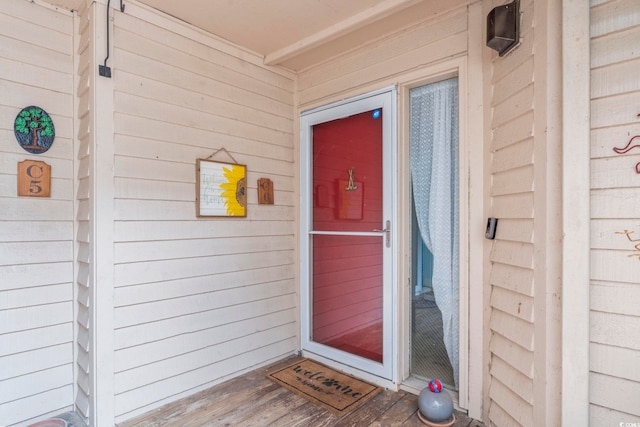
[337, 392]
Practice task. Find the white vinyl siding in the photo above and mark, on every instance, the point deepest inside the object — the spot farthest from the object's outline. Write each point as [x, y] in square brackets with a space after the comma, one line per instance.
[36, 234]
[197, 300]
[511, 277]
[523, 276]
[382, 62]
[615, 192]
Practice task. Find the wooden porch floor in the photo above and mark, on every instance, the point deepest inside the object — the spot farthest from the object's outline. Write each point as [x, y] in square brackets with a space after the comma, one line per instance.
[253, 400]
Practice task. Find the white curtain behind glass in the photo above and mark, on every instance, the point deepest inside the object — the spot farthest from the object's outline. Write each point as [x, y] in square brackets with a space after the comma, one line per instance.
[434, 174]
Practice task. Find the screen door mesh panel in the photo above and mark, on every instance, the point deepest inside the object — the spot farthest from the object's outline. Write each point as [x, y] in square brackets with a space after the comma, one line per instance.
[429, 357]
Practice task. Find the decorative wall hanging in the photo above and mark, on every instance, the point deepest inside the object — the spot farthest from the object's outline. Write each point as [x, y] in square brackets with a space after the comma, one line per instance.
[34, 179]
[34, 130]
[628, 148]
[635, 242]
[265, 191]
[221, 189]
[350, 197]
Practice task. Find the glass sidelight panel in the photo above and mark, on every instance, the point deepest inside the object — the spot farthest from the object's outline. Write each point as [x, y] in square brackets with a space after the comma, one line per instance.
[434, 175]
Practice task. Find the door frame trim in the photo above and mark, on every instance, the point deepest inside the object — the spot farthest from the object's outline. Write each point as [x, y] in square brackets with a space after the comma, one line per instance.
[472, 244]
[381, 374]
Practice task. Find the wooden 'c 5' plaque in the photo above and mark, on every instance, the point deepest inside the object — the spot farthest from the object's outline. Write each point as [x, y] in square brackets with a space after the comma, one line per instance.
[34, 179]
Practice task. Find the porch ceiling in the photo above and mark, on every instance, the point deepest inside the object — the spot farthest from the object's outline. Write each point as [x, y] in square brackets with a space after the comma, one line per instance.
[297, 33]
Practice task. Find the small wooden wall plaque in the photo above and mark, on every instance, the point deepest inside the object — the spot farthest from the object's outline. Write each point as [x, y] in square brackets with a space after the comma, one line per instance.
[265, 191]
[34, 179]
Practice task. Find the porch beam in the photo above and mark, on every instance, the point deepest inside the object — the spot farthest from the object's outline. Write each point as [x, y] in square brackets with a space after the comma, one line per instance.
[366, 17]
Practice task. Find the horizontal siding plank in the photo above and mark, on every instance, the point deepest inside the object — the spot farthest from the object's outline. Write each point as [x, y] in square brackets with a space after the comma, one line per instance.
[616, 203]
[153, 169]
[207, 139]
[512, 328]
[614, 16]
[35, 32]
[499, 417]
[510, 402]
[36, 252]
[427, 54]
[168, 289]
[21, 298]
[212, 49]
[515, 230]
[614, 234]
[513, 354]
[167, 62]
[156, 351]
[509, 84]
[136, 106]
[513, 278]
[34, 383]
[153, 210]
[512, 378]
[406, 42]
[614, 361]
[196, 379]
[512, 253]
[516, 131]
[615, 266]
[511, 108]
[228, 91]
[604, 140]
[512, 303]
[178, 150]
[56, 20]
[21, 319]
[515, 206]
[19, 95]
[27, 209]
[33, 339]
[60, 167]
[162, 250]
[618, 298]
[615, 330]
[614, 110]
[158, 310]
[614, 172]
[142, 333]
[209, 355]
[131, 231]
[155, 271]
[53, 401]
[25, 52]
[32, 275]
[27, 231]
[37, 360]
[599, 416]
[616, 393]
[513, 181]
[35, 75]
[61, 189]
[614, 47]
[512, 156]
[192, 97]
[614, 79]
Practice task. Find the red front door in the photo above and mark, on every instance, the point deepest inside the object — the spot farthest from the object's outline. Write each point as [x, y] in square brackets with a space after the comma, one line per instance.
[347, 273]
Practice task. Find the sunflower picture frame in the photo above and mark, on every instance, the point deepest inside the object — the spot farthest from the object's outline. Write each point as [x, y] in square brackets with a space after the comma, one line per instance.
[221, 189]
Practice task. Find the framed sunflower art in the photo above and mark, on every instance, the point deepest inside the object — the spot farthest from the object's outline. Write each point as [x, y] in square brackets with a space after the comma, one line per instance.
[221, 189]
